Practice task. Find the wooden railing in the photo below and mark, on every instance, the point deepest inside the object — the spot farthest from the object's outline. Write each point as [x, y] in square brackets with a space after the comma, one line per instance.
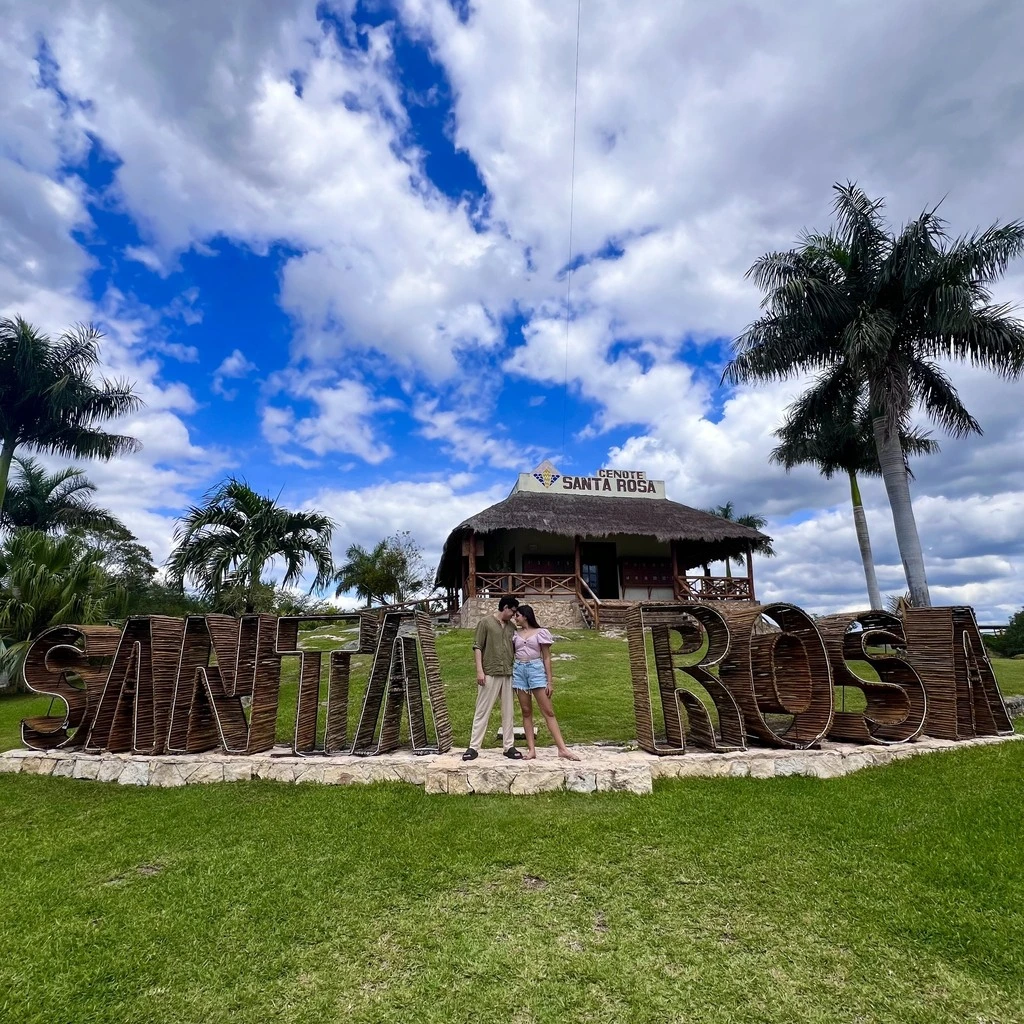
[715, 588]
[519, 583]
[437, 604]
[542, 584]
[590, 603]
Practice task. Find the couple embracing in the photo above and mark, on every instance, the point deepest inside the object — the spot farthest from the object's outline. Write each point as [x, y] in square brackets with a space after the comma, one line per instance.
[513, 652]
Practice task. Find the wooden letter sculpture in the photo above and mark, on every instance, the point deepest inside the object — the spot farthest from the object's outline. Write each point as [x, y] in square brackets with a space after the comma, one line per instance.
[726, 674]
[69, 664]
[695, 628]
[945, 646]
[212, 682]
[778, 671]
[897, 704]
[396, 682]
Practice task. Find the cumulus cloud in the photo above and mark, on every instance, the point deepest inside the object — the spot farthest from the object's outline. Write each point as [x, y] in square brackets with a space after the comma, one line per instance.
[705, 136]
[386, 262]
[466, 436]
[341, 420]
[368, 514]
[232, 367]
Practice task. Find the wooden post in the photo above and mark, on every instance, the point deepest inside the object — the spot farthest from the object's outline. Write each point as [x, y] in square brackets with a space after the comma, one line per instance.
[750, 574]
[579, 564]
[472, 563]
[675, 569]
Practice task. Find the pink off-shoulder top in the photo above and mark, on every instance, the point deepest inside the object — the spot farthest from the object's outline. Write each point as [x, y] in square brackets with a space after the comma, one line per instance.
[528, 648]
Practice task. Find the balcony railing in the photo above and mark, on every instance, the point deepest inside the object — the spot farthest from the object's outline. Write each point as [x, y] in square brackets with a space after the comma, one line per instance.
[560, 584]
[542, 584]
[715, 588]
[519, 583]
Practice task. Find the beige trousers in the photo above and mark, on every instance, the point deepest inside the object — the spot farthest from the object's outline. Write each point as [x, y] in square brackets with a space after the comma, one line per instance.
[485, 698]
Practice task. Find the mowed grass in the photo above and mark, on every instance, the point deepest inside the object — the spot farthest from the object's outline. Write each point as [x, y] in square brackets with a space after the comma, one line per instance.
[1010, 673]
[895, 894]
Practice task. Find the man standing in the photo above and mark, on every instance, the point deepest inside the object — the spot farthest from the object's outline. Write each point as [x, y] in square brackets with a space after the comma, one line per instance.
[492, 650]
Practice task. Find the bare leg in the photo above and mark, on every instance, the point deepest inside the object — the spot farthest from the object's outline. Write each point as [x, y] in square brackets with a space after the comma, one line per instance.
[526, 706]
[552, 723]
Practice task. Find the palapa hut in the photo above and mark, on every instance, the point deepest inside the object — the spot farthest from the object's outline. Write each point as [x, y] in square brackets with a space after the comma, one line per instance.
[585, 547]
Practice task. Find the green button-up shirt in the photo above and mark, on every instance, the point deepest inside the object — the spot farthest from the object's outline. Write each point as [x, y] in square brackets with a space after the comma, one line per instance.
[494, 642]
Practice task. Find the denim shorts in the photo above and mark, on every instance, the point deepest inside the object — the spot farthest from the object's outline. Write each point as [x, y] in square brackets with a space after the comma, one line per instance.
[529, 675]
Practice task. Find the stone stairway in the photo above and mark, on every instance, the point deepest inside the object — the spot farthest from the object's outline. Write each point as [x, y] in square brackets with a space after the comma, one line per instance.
[613, 614]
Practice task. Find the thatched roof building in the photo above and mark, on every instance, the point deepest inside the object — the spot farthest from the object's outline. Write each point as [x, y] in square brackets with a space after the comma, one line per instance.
[612, 537]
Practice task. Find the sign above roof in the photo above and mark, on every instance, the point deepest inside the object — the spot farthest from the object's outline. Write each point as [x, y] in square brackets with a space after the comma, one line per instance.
[608, 483]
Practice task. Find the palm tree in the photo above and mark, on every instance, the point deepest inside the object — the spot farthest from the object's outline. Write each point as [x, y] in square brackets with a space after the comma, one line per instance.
[44, 581]
[49, 400]
[224, 545]
[872, 313]
[755, 521]
[362, 571]
[392, 572]
[53, 502]
[844, 443]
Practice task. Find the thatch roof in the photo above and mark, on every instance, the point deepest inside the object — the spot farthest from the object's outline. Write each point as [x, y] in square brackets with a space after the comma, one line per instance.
[703, 537]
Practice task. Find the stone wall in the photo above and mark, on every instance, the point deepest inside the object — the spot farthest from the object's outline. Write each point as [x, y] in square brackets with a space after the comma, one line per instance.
[553, 612]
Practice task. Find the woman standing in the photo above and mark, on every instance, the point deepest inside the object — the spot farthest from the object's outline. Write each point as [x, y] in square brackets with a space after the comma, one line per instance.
[531, 678]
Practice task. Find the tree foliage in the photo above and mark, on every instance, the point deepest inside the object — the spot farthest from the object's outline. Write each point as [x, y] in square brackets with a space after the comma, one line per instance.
[224, 545]
[1009, 643]
[52, 502]
[49, 400]
[874, 313]
[392, 572]
[842, 441]
[754, 520]
[45, 581]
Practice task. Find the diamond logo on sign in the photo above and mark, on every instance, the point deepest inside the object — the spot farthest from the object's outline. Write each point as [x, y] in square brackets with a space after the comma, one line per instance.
[546, 474]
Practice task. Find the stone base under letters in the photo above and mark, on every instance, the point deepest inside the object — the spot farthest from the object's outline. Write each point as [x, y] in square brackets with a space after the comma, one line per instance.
[601, 768]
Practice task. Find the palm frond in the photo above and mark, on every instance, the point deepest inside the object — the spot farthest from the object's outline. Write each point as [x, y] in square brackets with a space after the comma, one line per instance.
[940, 400]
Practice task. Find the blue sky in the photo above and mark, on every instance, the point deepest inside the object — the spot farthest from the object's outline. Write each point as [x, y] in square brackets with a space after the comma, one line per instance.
[330, 241]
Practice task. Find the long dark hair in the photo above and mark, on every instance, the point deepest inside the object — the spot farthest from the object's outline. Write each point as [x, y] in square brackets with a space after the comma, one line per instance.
[527, 613]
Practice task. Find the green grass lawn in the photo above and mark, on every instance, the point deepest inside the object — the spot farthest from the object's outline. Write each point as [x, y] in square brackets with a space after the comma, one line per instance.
[892, 895]
[1010, 673]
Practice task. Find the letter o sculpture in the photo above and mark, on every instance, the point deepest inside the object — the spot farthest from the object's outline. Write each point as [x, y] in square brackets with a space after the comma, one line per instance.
[777, 669]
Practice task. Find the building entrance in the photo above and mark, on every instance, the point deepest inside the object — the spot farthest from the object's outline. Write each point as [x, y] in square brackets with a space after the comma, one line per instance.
[599, 567]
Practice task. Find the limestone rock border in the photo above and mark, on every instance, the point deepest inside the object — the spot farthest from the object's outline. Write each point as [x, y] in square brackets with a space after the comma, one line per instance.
[601, 770]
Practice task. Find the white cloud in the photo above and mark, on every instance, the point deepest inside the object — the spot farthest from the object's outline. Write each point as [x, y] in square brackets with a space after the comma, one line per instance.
[387, 262]
[341, 422]
[467, 437]
[430, 510]
[176, 350]
[42, 269]
[705, 136]
[233, 367]
[147, 257]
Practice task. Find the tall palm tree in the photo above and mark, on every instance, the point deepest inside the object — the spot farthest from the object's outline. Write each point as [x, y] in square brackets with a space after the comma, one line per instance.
[844, 442]
[225, 545]
[53, 502]
[49, 399]
[754, 520]
[872, 312]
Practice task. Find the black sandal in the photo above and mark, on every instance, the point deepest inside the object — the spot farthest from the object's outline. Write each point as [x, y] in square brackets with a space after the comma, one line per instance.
[470, 755]
[513, 754]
